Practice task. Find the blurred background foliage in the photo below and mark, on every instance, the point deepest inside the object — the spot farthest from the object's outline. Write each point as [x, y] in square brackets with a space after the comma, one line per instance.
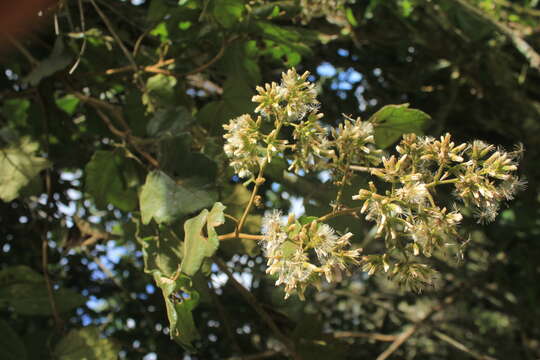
[103, 92]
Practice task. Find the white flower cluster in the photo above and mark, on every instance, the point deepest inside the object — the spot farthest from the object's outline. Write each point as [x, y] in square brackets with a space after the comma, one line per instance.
[407, 216]
[243, 145]
[295, 96]
[354, 142]
[288, 248]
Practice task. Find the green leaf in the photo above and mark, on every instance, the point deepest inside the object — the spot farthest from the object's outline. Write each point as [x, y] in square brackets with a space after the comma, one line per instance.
[236, 101]
[180, 300]
[165, 201]
[162, 250]
[58, 60]
[392, 121]
[11, 345]
[68, 103]
[86, 344]
[228, 12]
[303, 220]
[350, 17]
[16, 111]
[111, 179]
[24, 290]
[18, 166]
[240, 61]
[196, 246]
[160, 91]
[293, 38]
[169, 122]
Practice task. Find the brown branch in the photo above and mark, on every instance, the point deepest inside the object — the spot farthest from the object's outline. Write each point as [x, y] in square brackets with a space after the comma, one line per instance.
[83, 46]
[156, 68]
[405, 335]
[333, 214]
[252, 301]
[461, 347]
[234, 235]
[111, 29]
[356, 334]
[117, 113]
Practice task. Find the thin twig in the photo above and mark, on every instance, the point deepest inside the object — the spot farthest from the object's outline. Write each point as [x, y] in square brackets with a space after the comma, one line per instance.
[362, 168]
[405, 335]
[357, 334]
[111, 29]
[45, 241]
[252, 301]
[31, 59]
[461, 347]
[258, 182]
[521, 45]
[351, 211]
[117, 113]
[234, 235]
[83, 46]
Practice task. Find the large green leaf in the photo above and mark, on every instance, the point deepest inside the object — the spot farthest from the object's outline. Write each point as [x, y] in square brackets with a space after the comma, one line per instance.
[180, 300]
[392, 121]
[228, 12]
[235, 102]
[162, 250]
[196, 246]
[25, 291]
[169, 122]
[11, 345]
[18, 167]
[293, 38]
[165, 201]
[110, 179]
[240, 61]
[86, 344]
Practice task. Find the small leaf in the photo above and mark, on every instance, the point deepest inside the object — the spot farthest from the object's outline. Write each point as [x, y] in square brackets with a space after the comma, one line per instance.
[228, 12]
[196, 246]
[392, 121]
[18, 167]
[110, 180]
[180, 300]
[67, 103]
[24, 290]
[86, 344]
[160, 91]
[165, 201]
[11, 345]
[303, 220]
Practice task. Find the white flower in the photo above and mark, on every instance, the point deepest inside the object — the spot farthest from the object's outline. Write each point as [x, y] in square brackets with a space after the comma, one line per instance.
[242, 146]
